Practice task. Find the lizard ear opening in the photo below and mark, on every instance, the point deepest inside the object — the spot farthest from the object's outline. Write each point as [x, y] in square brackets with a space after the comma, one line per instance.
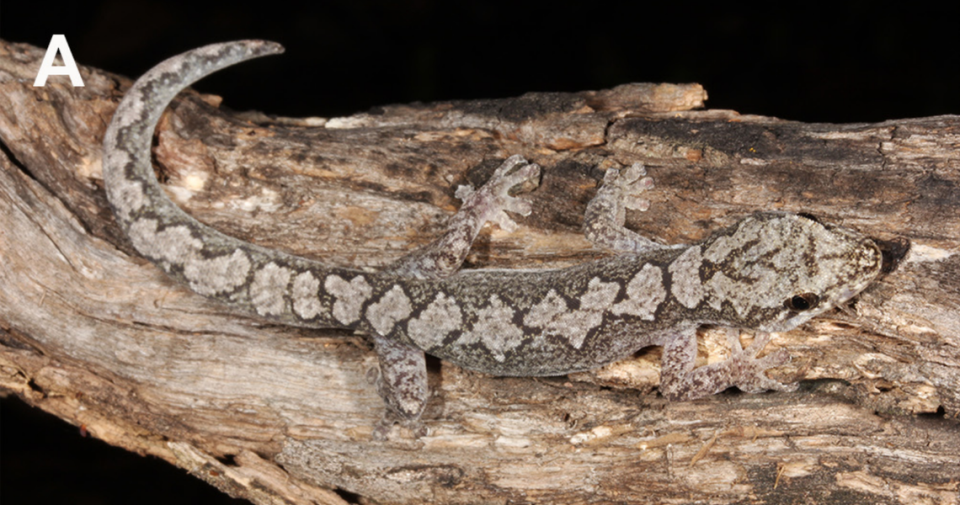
[802, 302]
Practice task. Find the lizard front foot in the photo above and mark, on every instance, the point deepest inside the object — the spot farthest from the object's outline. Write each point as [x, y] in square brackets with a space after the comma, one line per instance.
[442, 257]
[749, 371]
[628, 184]
[493, 198]
[607, 211]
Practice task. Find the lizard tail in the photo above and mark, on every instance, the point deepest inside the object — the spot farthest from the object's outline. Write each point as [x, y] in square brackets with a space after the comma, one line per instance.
[269, 283]
[132, 187]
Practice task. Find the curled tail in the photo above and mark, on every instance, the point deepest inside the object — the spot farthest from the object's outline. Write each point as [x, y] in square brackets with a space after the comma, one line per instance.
[265, 282]
[132, 188]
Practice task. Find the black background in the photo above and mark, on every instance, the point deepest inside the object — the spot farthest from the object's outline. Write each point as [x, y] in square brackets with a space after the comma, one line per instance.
[839, 62]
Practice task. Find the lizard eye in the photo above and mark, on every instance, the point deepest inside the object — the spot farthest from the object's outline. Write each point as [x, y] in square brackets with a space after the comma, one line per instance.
[803, 301]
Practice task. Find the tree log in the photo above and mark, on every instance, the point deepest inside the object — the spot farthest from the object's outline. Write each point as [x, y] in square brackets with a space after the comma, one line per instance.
[99, 337]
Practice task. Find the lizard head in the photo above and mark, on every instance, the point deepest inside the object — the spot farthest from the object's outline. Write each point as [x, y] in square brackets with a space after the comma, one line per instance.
[779, 270]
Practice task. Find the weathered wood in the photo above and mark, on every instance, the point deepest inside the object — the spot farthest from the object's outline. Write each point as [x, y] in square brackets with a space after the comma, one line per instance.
[97, 336]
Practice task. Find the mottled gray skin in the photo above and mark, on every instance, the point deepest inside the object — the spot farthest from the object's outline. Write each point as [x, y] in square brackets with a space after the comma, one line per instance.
[770, 272]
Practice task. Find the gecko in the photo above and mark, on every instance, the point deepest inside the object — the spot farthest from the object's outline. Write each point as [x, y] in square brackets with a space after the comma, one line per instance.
[770, 272]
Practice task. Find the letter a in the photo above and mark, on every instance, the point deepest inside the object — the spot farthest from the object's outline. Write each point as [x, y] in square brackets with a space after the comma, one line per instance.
[58, 43]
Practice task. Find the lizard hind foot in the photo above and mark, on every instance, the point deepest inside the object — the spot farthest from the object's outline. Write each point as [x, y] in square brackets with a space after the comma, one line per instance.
[384, 427]
[401, 381]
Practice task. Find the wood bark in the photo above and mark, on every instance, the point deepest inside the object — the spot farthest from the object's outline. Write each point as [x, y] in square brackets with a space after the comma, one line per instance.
[97, 336]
